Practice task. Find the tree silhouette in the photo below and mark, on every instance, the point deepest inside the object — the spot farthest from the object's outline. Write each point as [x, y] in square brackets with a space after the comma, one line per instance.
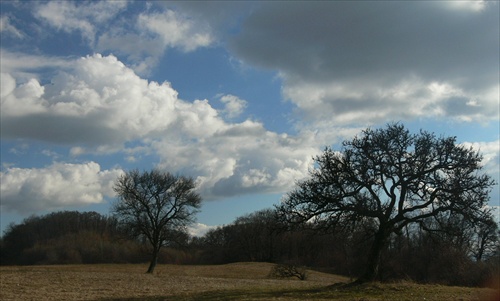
[394, 178]
[155, 205]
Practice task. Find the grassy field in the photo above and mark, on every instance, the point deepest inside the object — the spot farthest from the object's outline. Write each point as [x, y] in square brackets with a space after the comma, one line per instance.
[240, 281]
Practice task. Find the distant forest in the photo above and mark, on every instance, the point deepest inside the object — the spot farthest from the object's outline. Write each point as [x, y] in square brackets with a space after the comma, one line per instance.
[465, 256]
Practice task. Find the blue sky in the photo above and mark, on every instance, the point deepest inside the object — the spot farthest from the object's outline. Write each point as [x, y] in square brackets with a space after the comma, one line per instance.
[239, 95]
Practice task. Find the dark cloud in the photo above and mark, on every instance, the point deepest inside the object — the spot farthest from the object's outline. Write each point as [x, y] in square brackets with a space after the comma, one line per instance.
[65, 130]
[344, 39]
[355, 62]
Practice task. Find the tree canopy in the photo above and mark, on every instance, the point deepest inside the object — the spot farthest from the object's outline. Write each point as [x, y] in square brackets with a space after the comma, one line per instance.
[155, 205]
[394, 178]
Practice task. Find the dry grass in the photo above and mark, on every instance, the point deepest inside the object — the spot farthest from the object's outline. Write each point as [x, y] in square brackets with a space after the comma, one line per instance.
[240, 281]
[93, 282]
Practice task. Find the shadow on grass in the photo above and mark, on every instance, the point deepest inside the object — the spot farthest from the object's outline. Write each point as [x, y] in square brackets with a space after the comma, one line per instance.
[338, 291]
[293, 294]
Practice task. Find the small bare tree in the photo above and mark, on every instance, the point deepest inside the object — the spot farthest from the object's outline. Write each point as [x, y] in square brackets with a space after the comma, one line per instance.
[155, 205]
[486, 240]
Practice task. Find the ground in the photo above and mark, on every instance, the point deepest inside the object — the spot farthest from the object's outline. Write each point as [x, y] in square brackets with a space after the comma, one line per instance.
[239, 281]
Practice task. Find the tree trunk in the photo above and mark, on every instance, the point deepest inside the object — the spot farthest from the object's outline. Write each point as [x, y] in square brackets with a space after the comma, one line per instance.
[480, 251]
[154, 260]
[372, 268]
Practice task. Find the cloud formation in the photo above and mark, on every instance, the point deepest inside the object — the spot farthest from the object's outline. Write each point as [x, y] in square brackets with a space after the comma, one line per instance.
[199, 229]
[99, 100]
[7, 28]
[175, 30]
[233, 105]
[60, 185]
[139, 33]
[240, 158]
[145, 38]
[84, 17]
[491, 155]
[343, 66]
[369, 62]
[98, 105]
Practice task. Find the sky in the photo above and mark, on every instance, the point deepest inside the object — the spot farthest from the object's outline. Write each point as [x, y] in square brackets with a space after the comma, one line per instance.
[238, 95]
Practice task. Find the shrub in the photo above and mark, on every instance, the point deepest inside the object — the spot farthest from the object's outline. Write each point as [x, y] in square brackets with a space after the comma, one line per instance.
[288, 271]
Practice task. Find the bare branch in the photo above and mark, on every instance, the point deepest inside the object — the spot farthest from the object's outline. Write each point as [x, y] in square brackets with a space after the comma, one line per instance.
[155, 204]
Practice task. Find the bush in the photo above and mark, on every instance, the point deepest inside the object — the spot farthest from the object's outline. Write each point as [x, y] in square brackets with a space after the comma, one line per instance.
[288, 271]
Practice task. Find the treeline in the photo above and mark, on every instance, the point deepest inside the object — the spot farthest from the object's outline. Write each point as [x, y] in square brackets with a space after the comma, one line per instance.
[72, 237]
[67, 237]
[461, 255]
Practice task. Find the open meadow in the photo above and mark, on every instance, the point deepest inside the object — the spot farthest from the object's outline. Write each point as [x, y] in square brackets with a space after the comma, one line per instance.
[239, 281]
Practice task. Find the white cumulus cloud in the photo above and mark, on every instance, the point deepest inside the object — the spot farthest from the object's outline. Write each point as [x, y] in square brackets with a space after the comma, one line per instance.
[98, 100]
[361, 102]
[60, 185]
[491, 155]
[175, 30]
[199, 229]
[241, 158]
[145, 38]
[99, 105]
[233, 105]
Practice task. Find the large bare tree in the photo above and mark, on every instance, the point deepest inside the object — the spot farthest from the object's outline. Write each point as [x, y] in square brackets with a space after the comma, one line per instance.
[155, 205]
[394, 178]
